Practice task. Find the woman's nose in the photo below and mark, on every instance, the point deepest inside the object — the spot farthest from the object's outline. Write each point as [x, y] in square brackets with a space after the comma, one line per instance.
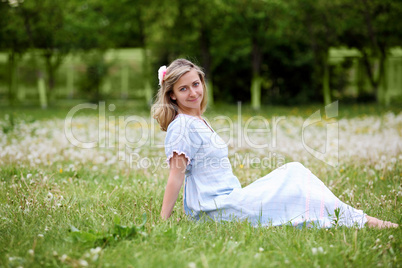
[192, 91]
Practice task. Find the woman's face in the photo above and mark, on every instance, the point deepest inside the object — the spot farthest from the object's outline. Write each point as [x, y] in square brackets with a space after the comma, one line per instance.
[188, 93]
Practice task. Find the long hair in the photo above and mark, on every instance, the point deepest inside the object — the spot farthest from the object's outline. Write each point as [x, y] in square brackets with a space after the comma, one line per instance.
[164, 110]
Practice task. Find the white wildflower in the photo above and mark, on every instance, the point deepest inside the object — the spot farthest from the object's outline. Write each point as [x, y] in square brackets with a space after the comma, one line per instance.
[314, 251]
[260, 249]
[192, 265]
[31, 252]
[83, 263]
[40, 235]
[49, 196]
[63, 258]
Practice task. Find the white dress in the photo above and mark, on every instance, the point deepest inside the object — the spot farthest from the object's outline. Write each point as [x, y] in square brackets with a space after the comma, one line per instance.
[290, 194]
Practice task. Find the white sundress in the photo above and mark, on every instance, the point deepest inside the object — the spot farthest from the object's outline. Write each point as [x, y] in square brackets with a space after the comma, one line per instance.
[290, 194]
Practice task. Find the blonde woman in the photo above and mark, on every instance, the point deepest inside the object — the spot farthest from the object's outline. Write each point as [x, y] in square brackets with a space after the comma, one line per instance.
[196, 155]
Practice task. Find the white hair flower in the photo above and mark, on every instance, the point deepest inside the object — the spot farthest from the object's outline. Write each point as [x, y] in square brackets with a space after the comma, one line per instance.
[161, 74]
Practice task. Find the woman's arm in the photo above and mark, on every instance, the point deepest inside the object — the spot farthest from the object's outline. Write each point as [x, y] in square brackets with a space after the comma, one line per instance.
[178, 165]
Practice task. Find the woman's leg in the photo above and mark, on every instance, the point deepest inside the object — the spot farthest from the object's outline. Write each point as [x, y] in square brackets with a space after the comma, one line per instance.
[376, 223]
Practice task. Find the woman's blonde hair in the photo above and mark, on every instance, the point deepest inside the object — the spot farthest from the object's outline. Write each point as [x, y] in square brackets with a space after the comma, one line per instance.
[164, 110]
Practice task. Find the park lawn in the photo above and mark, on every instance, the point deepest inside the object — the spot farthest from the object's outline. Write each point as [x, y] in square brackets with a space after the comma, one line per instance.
[72, 207]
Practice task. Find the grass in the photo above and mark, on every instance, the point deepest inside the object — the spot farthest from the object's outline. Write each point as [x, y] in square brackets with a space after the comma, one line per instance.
[77, 214]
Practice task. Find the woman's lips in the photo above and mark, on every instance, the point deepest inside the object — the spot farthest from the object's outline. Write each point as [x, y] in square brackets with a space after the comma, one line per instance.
[194, 100]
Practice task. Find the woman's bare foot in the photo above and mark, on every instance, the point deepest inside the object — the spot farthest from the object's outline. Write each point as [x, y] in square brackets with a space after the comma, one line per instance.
[376, 223]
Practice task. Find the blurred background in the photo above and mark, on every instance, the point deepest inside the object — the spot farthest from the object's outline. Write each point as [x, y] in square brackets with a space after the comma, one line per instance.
[260, 52]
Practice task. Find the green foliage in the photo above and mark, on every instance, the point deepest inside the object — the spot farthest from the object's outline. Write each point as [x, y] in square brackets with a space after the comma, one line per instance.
[118, 233]
[285, 43]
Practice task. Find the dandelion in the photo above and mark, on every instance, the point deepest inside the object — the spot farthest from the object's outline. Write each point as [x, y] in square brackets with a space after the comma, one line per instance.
[49, 196]
[314, 251]
[61, 170]
[192, 265]
[63, 258]
[96, 250]
[83, 263]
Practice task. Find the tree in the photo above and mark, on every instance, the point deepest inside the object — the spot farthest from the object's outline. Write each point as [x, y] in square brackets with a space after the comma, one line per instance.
[322, 23]
[47, 30]
[371, 28]
[261, 23]
[13, 40]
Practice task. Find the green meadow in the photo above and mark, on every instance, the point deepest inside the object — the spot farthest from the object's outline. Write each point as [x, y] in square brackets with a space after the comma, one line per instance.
[64, 206]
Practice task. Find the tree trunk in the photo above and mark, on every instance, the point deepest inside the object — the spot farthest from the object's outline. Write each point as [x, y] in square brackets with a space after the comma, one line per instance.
[12, 77]
[42, 90]
[50, 75]
[257, 79]
[373, 79]
[326, 91]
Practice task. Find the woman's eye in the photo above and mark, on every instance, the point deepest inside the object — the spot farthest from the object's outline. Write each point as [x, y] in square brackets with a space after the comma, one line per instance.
[196, 84]
[182, 89]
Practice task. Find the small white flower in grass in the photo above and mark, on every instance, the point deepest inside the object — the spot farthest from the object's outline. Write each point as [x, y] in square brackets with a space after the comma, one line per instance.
[257, 255]
[116, 177]
[320, 249]
[377, 241]
[29, 175]
[49, 196]
[83, 263]
[390, 237]
[260, 249]
[331, 246]
[96, 250]
[40, 235]
[31, 252]
[63, 258]
[55, 253]
[314, 251]
[192, 265]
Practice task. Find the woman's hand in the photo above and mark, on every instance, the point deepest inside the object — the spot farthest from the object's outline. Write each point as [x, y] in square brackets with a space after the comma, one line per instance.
[178, 164]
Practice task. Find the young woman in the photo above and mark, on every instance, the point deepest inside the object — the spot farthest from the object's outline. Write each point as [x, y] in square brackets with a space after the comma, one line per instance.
[290, 194]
